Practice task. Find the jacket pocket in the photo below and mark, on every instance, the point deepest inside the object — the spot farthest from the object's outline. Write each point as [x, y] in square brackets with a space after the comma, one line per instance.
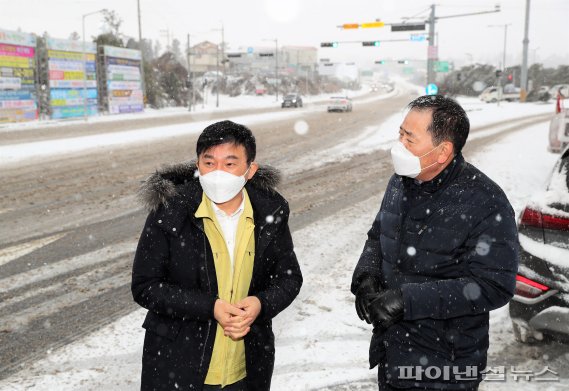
[162, 326]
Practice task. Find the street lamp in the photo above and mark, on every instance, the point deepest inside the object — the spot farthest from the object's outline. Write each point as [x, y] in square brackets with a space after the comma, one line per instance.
[217, 63]
[276, 41]
[85, 62]
[505, 27]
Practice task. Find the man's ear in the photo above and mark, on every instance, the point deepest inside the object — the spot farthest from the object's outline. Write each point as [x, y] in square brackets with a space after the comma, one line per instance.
[252, 170]
[447, 151]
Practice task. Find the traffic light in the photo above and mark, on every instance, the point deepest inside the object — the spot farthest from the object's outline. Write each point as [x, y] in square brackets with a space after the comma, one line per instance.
[329, 44]
[266, 54]
[380, 62]
[510, 77]
[370, 43]
[498, 73]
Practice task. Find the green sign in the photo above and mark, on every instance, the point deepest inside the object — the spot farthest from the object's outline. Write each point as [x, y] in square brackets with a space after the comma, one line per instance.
[441, 66]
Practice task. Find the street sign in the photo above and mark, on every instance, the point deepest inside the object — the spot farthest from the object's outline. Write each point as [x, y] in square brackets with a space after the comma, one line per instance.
[329, 44]
[407, 26]
[233, 55]
[441, 66]
[418, 37]
[432, 89]
[350, 26]
[370, 43]
[266, 54]
[249, 50]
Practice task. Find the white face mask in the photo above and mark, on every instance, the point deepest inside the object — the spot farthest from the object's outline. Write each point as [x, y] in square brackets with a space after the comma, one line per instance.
[221, 186]
[405, 163]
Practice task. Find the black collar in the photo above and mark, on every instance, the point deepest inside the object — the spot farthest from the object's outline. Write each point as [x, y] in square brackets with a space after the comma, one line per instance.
[450, 172]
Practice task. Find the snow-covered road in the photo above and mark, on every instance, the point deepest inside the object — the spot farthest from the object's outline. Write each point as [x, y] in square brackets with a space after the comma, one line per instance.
[321, 344]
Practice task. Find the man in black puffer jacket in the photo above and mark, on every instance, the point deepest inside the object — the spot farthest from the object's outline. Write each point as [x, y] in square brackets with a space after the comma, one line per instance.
[440, 255]
[215, 264]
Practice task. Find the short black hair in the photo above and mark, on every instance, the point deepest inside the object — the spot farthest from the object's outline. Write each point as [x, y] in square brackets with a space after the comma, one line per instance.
[227, 132]
[449, 121]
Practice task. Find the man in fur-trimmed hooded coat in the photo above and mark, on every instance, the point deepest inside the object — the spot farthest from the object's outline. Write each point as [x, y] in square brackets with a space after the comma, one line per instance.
[174, 277]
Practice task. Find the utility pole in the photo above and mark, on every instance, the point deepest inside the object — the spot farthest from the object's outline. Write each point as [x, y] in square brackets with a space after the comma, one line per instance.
[524, 76]
[223, 48]
[277, 67]
[217, 76]
[143, 82]
[190, 79]
[503, 64]
[167, 33]
[432, 53]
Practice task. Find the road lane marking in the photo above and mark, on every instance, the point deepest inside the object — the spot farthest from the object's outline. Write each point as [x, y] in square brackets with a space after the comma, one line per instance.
[14, 252]
[29, 277]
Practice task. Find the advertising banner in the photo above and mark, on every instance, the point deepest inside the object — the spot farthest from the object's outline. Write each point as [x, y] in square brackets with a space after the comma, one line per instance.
[72, 78]
[123, 80]
[18, 100]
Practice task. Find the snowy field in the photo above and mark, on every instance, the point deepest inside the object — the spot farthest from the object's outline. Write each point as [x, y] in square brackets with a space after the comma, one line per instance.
[320, 342]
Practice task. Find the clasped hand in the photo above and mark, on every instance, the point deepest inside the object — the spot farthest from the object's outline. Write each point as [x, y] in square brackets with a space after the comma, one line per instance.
[236, 319]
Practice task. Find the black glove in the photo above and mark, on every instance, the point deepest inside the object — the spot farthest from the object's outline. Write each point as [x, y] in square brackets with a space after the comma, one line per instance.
[386, 309]
[368, 289]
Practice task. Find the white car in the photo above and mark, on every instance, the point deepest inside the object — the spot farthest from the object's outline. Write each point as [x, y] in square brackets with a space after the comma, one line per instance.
[493, 94]
[555, 89]
[340, 103]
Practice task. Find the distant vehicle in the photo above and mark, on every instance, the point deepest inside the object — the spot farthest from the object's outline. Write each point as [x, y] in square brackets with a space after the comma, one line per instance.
[540, 307]
[494, 94]
[374, 88]
[292, 100]
[340, 103]
[543, 93]
[212, 75]
[555, 89]
[260, 89]
[559, 131]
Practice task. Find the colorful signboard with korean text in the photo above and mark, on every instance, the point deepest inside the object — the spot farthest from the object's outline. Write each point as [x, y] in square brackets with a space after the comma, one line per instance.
[72, 78]
[123, 80]
[18, 97]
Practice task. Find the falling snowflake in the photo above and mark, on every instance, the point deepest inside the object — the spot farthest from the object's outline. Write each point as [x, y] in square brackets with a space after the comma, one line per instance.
[411, 251]
[301, 127]
[471, 291]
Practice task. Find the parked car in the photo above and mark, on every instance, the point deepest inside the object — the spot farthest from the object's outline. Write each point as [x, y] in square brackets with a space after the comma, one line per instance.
[292, 100]
[559, 131]
[555, 89]
[494, 94]
[540, 307]
[340, 103]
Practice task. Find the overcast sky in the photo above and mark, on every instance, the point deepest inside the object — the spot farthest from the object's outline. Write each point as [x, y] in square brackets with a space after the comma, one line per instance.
[309, 22]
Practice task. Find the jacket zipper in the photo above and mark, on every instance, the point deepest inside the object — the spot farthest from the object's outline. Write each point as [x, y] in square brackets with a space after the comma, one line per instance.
[209, 289]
